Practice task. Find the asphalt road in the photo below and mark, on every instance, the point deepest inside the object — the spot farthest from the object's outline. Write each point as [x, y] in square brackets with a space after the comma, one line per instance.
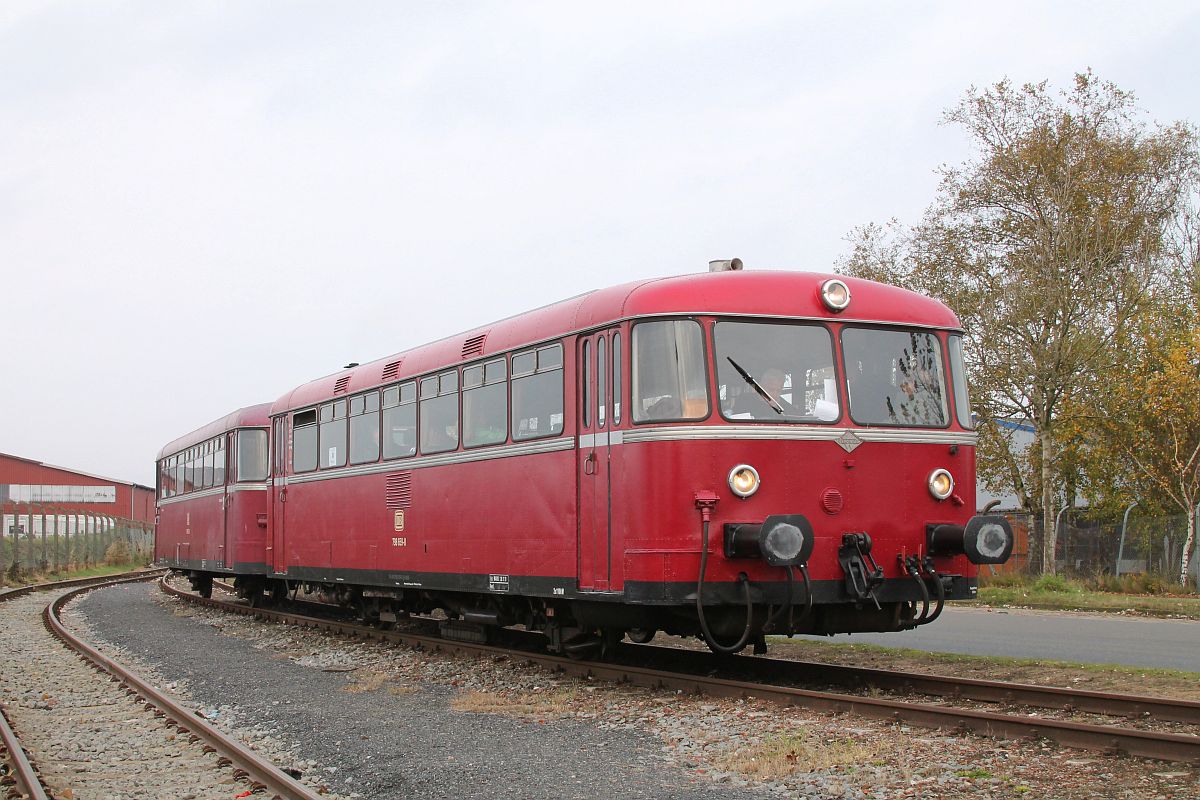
[1053, 636]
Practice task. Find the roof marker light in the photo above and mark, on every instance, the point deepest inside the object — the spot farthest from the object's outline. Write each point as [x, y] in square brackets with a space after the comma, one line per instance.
[835, 294]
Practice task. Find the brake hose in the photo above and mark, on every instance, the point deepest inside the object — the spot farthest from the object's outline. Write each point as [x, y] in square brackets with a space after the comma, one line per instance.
[716, 646]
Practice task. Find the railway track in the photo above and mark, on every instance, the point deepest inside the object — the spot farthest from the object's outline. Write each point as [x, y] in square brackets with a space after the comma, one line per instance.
[693, 671]
[82, 725]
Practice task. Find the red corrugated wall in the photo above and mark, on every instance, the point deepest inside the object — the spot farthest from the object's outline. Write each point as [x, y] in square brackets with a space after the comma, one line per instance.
[133, 501]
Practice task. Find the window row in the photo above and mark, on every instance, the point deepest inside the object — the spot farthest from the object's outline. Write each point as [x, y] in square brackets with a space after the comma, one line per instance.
[204, 466]
[491, 401]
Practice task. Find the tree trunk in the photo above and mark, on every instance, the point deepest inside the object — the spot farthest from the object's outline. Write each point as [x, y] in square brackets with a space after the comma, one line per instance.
[1049, 528]
[1185, 559]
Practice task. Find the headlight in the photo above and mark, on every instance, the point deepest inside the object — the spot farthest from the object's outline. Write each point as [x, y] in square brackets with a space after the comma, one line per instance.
[835, 294]
[743, 480]
[941, 484]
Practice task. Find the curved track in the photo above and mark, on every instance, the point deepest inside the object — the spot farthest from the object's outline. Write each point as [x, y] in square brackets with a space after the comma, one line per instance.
[1105, 738]
[209, 754]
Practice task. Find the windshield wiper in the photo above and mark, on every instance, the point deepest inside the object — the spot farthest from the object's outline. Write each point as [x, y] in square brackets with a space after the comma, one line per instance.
[763, 393]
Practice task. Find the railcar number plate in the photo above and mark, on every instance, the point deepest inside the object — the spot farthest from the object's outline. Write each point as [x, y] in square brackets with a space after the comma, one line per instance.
[498, 583]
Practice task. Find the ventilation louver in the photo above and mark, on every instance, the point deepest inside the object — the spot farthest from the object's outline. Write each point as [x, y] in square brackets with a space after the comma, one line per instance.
[398, 491]
[390, 370]
[341, 384]
[473, 346]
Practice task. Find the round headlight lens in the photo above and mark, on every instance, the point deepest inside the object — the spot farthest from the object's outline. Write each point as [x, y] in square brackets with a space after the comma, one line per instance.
[941, 484]
[743, 480]
[835, 294]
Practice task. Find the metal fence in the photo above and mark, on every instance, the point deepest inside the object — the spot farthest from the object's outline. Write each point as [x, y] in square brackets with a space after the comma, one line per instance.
[1089, 548]
[38, 537]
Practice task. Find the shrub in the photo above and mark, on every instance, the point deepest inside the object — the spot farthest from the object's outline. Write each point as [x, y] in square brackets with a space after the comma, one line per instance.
[1139, 583]
[117, 553]
[1054, 583]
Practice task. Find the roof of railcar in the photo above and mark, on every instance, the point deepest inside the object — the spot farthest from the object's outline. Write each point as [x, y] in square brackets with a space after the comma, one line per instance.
[249, 417]
[758, 292]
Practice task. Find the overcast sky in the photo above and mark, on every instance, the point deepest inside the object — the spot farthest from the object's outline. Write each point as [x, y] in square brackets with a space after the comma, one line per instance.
[203, 205]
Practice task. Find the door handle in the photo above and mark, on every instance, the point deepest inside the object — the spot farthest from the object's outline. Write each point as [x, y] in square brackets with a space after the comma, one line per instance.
[589, 464]
[283, 495]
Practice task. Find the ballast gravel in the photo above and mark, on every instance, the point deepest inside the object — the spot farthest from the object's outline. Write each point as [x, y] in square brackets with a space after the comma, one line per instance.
[381, 720]
[87, 738]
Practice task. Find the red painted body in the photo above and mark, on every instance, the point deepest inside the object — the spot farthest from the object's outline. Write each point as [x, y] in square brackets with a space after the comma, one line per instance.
[223, 528]
[589, 517]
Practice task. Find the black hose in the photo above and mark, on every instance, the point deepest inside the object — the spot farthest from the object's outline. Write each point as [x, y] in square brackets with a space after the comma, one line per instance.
[774, 617]
[941, 599]
[916, 576]
[808, 602]
[716, 646]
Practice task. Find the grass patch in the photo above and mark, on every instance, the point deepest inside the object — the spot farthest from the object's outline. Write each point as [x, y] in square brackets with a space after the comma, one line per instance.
[26, 578]
[977, 773]
[1075, 597]
[554, 704]
[374, 681]
[1097, 677]
[780, 756]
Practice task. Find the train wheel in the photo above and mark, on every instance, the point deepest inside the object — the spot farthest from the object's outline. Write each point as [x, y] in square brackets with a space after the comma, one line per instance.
[583, 645]
[641, 635]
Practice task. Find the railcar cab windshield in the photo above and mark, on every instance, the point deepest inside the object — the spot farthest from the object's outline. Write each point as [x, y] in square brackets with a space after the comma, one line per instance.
[778, 372]
[785, 372]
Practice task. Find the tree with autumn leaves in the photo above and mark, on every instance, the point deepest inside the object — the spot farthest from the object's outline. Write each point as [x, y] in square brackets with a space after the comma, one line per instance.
[1054, 244]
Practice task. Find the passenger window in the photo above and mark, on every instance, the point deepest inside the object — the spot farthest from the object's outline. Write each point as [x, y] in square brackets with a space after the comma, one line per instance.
[190, 474]
[669, 378]
[585, 390]
[364, 428]
[616, 378]
[252, 455]
[439, 413]
[304, 441]
[600, 387]
[537, 393]
[400, 420]
[219, 470]
[180, 470]
[333, 434]
[485, 404]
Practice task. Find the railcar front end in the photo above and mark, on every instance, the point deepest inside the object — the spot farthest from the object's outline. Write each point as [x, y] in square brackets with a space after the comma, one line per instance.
[211, 515]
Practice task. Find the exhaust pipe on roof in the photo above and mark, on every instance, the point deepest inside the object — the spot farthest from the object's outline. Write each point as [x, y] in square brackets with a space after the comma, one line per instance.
[730, 265]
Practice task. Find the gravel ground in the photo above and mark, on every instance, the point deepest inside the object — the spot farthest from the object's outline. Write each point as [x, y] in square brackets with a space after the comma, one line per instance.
[379, 720]
[85, 735]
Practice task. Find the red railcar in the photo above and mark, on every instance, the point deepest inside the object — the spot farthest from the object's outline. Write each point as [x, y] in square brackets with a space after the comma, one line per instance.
[725, 454]
[213, 499]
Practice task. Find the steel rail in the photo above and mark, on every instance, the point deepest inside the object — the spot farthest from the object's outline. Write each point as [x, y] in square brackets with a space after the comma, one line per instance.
[1050, 697]
[1084, 736]
[260, 772]
[23, 776]
[947, 686]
